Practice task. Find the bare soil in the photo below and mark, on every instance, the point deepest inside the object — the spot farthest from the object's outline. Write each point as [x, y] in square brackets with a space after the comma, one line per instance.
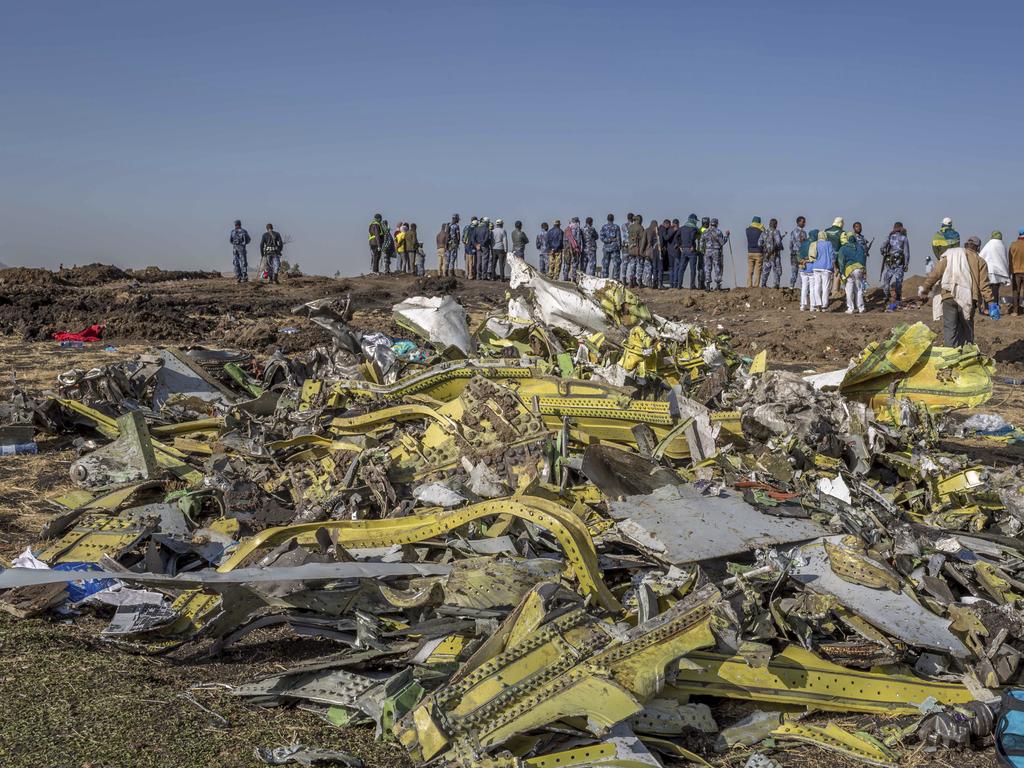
[66, 699]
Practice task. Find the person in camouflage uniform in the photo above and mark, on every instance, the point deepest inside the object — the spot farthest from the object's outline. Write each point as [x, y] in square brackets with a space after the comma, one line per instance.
[636, 244]
[797, 237]
[573, 249]
[771, 249]
[239, 239]
[589, 247]
[895, 260]
[712, 242]
[451, 246]
[611, 238]
[702, 282]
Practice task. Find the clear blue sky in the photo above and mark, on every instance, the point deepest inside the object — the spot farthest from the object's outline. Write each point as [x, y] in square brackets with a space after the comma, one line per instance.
[134, 133]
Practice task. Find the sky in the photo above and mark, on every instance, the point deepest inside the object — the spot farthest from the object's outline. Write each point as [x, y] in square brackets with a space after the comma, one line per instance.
[135, 133]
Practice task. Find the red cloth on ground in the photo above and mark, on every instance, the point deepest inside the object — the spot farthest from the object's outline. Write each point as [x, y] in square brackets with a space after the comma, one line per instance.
[92, 333]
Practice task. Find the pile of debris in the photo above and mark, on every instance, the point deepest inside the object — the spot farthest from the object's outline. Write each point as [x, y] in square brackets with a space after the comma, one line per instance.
[564, 538]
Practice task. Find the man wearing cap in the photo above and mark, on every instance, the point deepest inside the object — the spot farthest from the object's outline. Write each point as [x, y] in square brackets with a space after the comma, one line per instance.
[754, 254]
[611, 251]
[451, 245]
[499, 250]
[963, 276]
[239, 238]
[271, 246]
[470, 248]
[895, 260]
[482, 245]
[555, 240]
[689, 234]
[1017, 269]
[945, 238]
[712, 243]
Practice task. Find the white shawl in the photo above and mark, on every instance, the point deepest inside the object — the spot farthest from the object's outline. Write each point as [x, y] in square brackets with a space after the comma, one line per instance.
[956, 281]
[994, 254]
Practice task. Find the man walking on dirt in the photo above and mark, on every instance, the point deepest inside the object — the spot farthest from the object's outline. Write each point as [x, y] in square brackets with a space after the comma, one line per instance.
[895, 260]
[377, 229]
[1017, 270]
[271, 246]
[239, 238]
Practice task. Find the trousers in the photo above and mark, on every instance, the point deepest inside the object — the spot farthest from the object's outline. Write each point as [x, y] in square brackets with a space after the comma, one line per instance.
[440, 260]
[753, 269]
[713, 267]
[631, 270]
[374, 259]
[855, 291]
[957, 330]
[554, 264]
[806, 289]
[542, 261]
[450, 259]
[273, 265]
[892, 282]
[611, 263]
[687, 260]
[470, 263]
[498, 264]
[240, 261]
[822, 288]
[590, 262]
[794, 263]
[772, 269]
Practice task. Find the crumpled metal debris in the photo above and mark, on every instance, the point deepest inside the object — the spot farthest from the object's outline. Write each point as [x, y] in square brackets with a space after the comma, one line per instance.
[531, 544]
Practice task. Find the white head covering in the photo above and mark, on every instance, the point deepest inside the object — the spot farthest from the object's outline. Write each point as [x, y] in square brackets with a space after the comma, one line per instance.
[837, 221]
[947, 222]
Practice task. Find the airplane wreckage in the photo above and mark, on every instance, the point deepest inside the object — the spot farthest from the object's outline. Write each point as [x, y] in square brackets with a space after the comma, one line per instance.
[558, 540]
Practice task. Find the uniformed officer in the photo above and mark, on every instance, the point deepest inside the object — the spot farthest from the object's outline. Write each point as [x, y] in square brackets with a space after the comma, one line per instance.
[239, 238]
[713, 241]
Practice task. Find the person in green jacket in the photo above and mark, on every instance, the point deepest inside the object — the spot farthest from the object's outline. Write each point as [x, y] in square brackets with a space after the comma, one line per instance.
[850, 265]
[834, 235]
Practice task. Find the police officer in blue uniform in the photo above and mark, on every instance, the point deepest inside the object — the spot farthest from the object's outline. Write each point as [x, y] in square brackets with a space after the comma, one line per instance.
[239, 238]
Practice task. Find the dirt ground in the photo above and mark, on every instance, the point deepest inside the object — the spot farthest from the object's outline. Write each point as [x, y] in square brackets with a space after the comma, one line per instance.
[66, 699]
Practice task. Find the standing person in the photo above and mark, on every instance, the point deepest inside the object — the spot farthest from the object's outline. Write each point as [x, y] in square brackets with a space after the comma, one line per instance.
[858, 234]
[589, 247]
[771, 251]
[482, 245]
[805, 260]
[451, 246]
[271, 247]
[636, 246]
[499, 250]
[689, 234]
[611, 251]
[944, 239]
[412, 248]
[470, 248]
[387, 246]
[705, 225]
[555, 240]
[712, 243]
[824, 265]
[542, 248]
[625, 229]
[239, 239]
[572, 250]
[895, 260]
[963, 277]
[675, 257]
[797, 238]
[665, 235]
[755, 255]
[835, 233]
[376, 230]
[519, 241]
[441, 243]
[994, 254]
[850, 265]
[403, 261]
[1017, 269]
[651, 263]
